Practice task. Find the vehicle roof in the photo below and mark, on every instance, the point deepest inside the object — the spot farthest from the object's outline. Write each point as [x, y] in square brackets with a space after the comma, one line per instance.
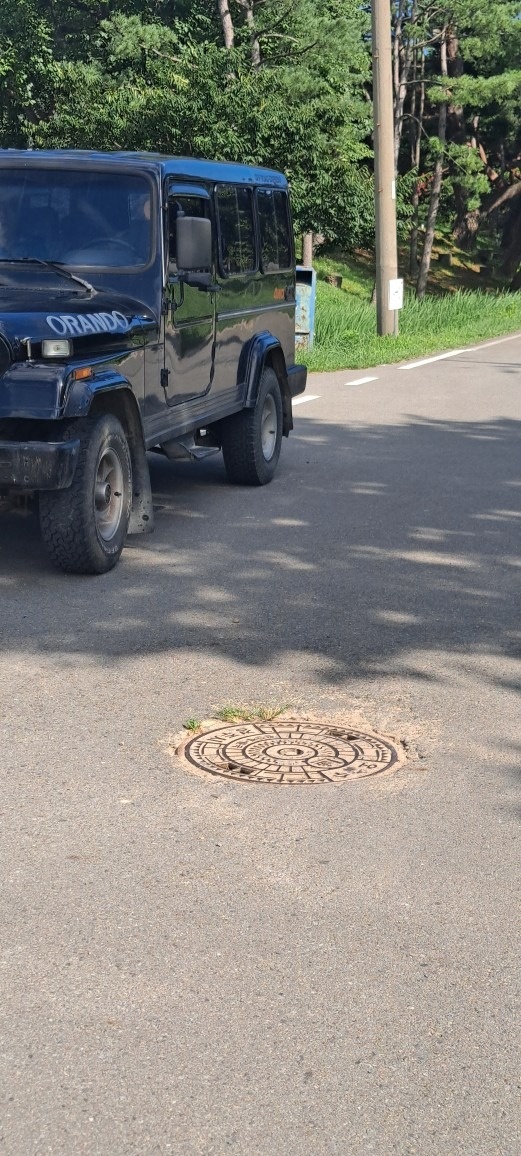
[195, 167]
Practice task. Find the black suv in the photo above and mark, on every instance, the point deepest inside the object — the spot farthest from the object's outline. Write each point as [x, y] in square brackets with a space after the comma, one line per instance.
[146, 303]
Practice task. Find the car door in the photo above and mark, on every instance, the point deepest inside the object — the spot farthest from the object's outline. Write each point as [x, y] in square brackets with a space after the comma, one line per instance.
[189, 346]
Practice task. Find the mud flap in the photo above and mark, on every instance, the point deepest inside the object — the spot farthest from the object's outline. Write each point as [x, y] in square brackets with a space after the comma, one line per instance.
[142, 512]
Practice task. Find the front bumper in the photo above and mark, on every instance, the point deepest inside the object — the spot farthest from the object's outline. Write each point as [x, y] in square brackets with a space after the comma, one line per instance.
[38, 465]
[297, 377]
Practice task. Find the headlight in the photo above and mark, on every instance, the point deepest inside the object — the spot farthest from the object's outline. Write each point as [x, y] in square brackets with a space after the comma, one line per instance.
[56, 347]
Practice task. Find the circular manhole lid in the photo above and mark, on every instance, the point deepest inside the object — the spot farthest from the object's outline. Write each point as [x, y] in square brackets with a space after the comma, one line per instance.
[291, 752]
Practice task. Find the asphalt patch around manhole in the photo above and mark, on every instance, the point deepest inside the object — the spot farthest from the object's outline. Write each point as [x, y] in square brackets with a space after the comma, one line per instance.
[291, 752]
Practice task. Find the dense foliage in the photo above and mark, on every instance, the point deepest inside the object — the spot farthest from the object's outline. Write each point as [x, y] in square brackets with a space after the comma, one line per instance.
[457, 82]
[288, 83]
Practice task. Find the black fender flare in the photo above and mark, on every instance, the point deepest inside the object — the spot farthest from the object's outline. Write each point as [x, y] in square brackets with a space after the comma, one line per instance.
[110, 392]
[265, 350]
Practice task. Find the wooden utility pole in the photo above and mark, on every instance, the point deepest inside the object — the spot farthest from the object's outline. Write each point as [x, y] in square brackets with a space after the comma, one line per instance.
[307, 249]
[384, 171]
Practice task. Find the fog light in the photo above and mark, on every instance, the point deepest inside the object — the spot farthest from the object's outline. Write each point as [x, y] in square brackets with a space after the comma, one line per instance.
[56, 347]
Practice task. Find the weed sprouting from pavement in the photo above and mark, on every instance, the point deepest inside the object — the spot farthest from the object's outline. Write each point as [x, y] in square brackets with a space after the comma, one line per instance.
[257, 711]
[192, 724]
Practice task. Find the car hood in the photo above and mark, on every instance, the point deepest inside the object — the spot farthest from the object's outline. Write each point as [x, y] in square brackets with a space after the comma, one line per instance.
[92, 320]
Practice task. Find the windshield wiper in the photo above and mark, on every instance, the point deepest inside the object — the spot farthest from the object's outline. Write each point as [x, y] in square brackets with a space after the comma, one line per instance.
[55, 265]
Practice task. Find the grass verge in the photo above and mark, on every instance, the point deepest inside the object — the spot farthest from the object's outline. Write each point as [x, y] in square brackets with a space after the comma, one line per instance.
[345, 335]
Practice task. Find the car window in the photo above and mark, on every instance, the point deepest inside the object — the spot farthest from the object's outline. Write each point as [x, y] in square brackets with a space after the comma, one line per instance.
[93, 219]
[272, 207]
[236, 230]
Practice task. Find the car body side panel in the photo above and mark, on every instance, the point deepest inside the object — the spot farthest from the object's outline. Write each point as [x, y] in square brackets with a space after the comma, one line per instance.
[247, 305]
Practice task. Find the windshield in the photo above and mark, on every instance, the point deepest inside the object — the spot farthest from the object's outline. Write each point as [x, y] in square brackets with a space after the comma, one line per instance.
[83, 218]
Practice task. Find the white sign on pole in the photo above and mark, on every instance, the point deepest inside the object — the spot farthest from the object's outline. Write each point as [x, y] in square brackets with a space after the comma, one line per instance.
[396, 293]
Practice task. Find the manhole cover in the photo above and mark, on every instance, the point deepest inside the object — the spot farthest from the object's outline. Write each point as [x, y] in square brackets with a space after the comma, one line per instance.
[290, 752]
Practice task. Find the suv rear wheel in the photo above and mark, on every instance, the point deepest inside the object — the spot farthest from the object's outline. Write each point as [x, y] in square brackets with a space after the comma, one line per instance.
[251, 439]
[84, 527]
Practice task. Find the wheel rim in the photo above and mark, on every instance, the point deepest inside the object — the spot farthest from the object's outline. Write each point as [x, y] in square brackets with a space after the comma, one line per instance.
[269, 427]
[108, 494]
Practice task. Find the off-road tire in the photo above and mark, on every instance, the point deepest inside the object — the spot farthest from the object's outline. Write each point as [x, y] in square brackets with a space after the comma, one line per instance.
[69, 518]
[242, 442]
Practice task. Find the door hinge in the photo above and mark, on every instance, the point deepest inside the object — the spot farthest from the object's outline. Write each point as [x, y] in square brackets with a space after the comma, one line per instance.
[165, 374]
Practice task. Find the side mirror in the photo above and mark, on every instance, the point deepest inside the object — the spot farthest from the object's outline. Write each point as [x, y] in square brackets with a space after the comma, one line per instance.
[194, 244]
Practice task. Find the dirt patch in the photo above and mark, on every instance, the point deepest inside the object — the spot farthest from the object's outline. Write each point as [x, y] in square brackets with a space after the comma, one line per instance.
[297, 750]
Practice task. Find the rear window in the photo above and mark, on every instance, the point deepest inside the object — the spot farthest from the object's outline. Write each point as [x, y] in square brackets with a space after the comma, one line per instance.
[236, 230]
[272, 207]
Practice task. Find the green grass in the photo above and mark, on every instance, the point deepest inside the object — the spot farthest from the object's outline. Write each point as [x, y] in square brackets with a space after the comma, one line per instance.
[461, 308]
[356, 271]
[192, 724]
[345, 334]
[236, 713]
[232, 713]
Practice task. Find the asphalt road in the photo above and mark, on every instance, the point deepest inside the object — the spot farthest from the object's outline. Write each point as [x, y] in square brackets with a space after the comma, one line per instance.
[196, 966]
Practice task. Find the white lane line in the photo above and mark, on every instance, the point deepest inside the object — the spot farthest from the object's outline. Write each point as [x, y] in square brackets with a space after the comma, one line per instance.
[458, 352]
[500, 341]
[361, 381]
[429, 360]
[306, 397]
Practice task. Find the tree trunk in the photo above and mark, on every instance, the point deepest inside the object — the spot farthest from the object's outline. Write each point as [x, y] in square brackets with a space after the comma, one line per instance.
[512, 236]
[397, 87]
[498, 199]
[417, 110]
[436, 183]
[455, 69]
[226, 23]
[515, 284]
[254, 40]
[466, 227]
[413, 239]
[404, 52]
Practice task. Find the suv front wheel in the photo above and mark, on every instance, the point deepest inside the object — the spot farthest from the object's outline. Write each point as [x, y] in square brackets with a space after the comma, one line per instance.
[85, 526]
[251, 439]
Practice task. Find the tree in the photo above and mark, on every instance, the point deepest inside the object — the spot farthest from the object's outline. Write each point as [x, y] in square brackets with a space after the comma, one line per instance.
[27, 70]
[286, 83]
[251, 80]
[445, 34]
[447, 63]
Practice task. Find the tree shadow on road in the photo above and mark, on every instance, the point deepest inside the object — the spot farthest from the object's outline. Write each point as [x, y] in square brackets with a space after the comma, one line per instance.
[372, 542]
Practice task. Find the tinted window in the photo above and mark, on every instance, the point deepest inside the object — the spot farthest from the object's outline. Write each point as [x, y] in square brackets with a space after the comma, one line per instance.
[236, 229]
[78, 217]
[272, 207]
[191, 207]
